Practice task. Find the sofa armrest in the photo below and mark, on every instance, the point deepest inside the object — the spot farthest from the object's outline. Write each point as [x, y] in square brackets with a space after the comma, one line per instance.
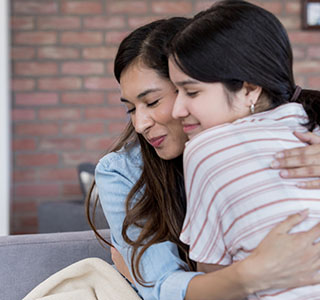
[27, 260]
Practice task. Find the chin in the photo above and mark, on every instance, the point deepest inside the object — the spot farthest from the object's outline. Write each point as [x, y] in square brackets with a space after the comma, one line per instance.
[166, 155]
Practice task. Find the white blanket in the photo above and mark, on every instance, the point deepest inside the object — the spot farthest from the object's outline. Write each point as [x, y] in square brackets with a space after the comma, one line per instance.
[88, 279]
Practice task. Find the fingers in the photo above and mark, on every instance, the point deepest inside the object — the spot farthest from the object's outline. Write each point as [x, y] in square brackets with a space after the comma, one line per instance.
[314, 232]
[291, 221]
[308, 137]
[313, 184]
[303, 172]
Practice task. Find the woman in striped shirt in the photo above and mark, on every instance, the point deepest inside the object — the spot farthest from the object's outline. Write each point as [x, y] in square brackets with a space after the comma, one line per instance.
[239, 104]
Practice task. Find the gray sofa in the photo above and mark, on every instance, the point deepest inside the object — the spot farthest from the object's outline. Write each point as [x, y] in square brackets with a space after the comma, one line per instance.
[26, 260]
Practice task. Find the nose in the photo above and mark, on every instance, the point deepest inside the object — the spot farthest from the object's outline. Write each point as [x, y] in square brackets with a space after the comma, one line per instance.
[142, 120]
[179, 108]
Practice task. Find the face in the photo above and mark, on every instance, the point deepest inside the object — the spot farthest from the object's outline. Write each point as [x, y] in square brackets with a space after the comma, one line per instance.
[200, 105]
[149, 99]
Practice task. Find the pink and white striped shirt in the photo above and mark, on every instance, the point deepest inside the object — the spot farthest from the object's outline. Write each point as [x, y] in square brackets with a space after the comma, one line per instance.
[233, 197]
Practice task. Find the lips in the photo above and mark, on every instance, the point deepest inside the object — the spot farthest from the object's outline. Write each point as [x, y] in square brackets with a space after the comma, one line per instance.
[157, 141]
[189, 127]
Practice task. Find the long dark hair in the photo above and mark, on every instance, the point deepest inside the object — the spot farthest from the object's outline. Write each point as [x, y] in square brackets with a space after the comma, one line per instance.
[236, 41]
[160, 211]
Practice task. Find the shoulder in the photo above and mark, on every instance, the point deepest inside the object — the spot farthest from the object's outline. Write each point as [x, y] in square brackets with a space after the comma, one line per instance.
[126, 162]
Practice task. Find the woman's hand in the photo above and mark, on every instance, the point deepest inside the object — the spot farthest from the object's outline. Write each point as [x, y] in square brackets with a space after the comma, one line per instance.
[302, 162]
[120, 264]
[284, 260]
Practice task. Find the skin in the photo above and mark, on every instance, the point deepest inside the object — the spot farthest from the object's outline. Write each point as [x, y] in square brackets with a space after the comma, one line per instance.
[197, 112]
[151, 116]
[150, 105]
[194, 105]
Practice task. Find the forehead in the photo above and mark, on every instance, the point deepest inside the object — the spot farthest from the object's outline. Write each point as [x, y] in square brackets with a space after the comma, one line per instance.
[138, 78]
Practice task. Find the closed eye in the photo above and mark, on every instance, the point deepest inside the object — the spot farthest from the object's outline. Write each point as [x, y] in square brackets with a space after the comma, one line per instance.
[130, 111]
[192, 94]
[153, 103]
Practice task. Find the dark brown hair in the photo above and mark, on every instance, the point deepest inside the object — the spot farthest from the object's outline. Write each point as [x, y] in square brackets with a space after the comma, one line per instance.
[160, 211]
[236, 41]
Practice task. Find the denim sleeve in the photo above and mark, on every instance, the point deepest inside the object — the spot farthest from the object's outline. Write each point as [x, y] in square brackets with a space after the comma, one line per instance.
[160, 264]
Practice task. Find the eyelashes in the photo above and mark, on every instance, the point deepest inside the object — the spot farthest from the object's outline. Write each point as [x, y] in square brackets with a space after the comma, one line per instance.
[132, 110]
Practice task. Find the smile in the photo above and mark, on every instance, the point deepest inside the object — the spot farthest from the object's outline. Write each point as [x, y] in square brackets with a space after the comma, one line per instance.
[187, 128]
[157, 141]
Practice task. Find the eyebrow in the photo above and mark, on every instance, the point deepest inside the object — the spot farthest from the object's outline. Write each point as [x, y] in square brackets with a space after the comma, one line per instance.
[185, 82]
[141, 95]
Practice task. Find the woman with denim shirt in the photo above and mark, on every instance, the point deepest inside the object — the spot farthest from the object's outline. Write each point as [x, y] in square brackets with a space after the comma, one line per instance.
[141, 191]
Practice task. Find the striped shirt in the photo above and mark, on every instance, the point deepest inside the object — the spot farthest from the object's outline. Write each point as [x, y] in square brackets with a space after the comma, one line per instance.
[233, 197]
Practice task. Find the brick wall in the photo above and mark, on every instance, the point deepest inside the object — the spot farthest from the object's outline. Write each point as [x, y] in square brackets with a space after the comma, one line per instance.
[65, 102]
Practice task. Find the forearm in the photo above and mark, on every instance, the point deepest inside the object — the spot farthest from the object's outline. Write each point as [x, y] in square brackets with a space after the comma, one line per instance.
[230, 283]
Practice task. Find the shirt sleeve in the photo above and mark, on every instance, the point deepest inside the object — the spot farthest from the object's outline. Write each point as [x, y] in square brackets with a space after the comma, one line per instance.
[160, 265]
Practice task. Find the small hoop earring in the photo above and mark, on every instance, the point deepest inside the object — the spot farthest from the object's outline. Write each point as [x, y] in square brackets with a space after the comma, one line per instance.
[252, 108]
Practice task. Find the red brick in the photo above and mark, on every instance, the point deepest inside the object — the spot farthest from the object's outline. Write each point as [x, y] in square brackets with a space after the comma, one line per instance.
[37, 190]
[22, 23]
[314, 82]
[24, 206]
[304, 37]
[314, 52]
[82, 128]
[300, 80]
[293, 7]
[135, 22]
[104, 22]
[203, 5]
[127, 7]
[24, 175]
[34, 99]
[101, 83]
[81, 38]
[100, 52]
[60, 144]
[22, 53]
[290, 23]
[36, 159]
[59, 114]
[83, 68]
[35, 7]
[298, 53]
[306, 67]
[23, 144]
[83, 98]
[98, 143]
[23, 114]
[115, 37]
[177, 7]
[29, 223]
[59, 174]
[61, 83]
[71, 189]
[110, 67]
[58, 53]
[113, 98]
[35, 68]
[35, 38]
[22, 84]
[105, 113]
[36, 129]
[74, 159]
[116, 127]
[82, 8]
[276, 7]
[58, 23]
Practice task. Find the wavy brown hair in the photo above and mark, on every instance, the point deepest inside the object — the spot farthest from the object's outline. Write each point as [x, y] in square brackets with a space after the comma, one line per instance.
[160, 211]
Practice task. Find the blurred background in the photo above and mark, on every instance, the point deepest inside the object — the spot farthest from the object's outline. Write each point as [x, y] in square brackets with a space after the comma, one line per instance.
[64, 103]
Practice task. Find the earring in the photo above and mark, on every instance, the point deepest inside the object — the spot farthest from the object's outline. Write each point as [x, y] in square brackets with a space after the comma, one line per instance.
[252, 108]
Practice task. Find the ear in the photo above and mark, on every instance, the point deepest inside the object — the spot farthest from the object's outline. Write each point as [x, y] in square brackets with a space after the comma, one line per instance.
[251, 92]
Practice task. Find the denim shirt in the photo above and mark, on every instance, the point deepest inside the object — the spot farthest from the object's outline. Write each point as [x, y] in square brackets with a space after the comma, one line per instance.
[116, 174]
